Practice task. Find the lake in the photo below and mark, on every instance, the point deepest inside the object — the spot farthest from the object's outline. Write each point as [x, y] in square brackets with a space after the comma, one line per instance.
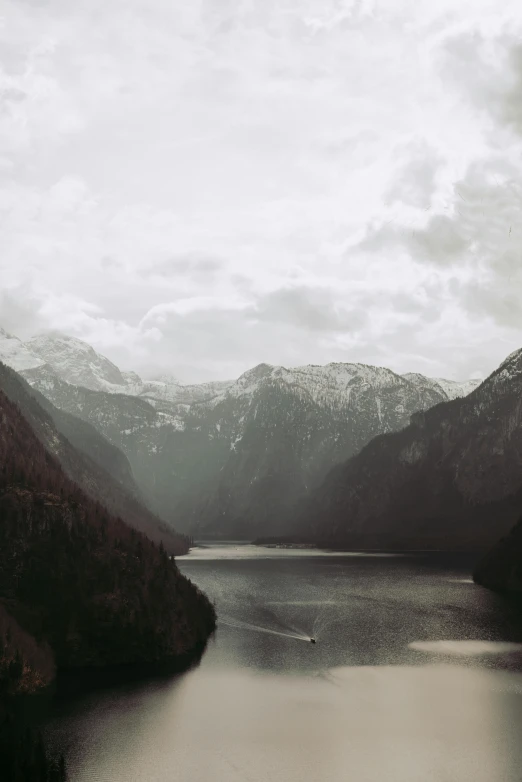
[416, 674]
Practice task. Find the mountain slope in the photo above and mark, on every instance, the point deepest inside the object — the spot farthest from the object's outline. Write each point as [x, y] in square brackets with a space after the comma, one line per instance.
[232, 459]
[76, 361]
[451, 389]
[294, 426]
[15, 354]
[453, 478]
[78, 578]
[115, 487]
[236, 463]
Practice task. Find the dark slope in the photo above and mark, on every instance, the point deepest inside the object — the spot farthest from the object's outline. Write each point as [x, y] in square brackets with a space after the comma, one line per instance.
[79, 579]
[87, 463]
[453, 478]
[501, 568]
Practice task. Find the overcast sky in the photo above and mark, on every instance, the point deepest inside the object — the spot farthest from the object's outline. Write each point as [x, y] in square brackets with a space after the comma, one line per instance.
[197, 187]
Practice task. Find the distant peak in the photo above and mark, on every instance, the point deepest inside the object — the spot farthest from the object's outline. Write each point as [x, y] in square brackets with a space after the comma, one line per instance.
[7, 335]
[56, 338]
[258, 372]
[169, 380]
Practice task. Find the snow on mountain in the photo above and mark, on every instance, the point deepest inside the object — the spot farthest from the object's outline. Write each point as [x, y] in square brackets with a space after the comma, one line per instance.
[453, 389]
[76, 362]
[230, 456]
[166, 379]
[333, 384]
[16, 355]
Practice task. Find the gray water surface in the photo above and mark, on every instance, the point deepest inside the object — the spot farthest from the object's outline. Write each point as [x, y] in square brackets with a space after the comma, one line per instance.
[415, 676]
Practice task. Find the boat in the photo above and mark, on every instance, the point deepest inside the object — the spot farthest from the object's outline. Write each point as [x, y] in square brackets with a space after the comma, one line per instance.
[312, 640]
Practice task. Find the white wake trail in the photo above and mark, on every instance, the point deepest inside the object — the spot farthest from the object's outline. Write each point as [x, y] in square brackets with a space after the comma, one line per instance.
[239, 624]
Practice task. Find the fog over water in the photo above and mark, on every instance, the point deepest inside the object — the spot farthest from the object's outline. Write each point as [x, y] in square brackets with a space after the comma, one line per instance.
[415, 676]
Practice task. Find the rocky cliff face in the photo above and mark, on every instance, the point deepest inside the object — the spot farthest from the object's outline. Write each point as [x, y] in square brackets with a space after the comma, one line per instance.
[453, 478]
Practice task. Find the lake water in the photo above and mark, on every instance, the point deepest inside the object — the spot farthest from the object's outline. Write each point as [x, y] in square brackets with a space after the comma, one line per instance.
[415, 677]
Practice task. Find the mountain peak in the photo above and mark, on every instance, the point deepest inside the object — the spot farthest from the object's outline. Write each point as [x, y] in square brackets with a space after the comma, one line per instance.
[15, 354]
[168, 380]
[452, 389]
[76, 362]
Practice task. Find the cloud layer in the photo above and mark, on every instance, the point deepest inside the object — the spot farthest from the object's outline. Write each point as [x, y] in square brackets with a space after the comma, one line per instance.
[199, 187]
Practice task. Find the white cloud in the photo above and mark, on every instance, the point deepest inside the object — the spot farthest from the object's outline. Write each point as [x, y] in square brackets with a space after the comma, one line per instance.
[177, 179]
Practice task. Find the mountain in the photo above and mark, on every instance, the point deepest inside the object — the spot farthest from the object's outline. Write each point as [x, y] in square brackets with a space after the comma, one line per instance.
[231, 458]
[76, 361]
[91, 461]
[452, 389]
[15, 354]
[78, 364]
[452, 478]
[287, 428]
[235, 463]
[75, 577]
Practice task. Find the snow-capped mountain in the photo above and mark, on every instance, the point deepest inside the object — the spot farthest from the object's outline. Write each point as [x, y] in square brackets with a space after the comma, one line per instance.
[77, 363]
[228, 457]
[15, 354]
[453, 389]
[453, 478]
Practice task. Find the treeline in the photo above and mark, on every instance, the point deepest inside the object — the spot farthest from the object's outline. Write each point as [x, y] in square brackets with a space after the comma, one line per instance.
[25, 667]
[97, 591]
[23, 757]
[78, 588]
[90, 461]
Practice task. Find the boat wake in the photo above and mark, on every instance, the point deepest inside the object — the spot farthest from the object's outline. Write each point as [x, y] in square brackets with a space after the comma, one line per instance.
[239, 624]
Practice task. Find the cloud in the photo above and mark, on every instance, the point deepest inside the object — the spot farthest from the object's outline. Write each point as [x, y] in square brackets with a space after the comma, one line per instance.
[416, 183]
[209, 185]
[311, 310]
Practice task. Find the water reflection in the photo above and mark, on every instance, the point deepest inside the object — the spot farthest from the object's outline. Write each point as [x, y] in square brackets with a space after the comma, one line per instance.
[392, 723]
[414, 677]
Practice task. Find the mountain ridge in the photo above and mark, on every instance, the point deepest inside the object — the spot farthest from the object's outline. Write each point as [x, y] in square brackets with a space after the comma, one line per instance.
[440, 481]
[233, 458]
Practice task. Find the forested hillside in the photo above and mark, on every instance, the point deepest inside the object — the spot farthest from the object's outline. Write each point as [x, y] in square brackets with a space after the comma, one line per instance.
[78, 587]
[97, 466]
[79, 578]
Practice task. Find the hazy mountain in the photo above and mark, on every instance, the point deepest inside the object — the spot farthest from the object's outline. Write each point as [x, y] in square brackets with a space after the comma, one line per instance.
[77, 363]
[288, 427]
[451, 478]
[452, 389]
[233, 458]
[16, 354]
[96, 465]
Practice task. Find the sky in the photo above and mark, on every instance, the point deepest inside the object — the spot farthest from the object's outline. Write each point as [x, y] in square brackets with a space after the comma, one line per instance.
[198, 187]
